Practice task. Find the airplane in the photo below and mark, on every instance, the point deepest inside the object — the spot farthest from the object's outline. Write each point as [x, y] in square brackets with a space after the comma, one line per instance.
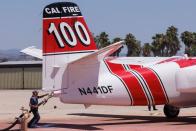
[78, 73]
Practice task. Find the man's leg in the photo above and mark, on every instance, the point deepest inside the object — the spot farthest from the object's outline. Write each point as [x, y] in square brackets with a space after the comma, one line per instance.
[31, 124]
[149, 107]
[37, 118]
[154, 107]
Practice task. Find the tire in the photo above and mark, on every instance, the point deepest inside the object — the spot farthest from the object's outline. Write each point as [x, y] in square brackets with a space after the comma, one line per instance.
[171, 111]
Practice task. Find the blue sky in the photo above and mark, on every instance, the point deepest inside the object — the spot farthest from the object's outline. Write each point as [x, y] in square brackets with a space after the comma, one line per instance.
[21, 20]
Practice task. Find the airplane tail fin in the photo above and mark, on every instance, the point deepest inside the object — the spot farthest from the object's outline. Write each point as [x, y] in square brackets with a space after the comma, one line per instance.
[65, 30]
[66, 38]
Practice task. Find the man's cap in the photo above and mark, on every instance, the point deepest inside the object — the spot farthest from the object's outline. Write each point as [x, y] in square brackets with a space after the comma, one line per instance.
[35, 91]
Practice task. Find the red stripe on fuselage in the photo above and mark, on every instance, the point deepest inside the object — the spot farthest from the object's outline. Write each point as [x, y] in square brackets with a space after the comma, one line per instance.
[182, 62]
[154, 85]
[132, 83]
[167, 60]
[135, 66]
[186, 62]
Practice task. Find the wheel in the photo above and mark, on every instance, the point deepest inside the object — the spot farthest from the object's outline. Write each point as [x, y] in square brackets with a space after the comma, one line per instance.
[171, 111]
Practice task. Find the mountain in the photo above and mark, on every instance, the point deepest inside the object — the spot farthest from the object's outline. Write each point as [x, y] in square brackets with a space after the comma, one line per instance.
[14, 55]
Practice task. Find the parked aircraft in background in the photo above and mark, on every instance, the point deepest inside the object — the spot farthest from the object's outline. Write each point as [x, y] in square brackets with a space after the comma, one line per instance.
[78, 73]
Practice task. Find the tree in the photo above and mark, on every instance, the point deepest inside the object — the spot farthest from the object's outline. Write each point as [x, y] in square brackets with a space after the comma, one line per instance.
[133, 45]
[146, 49]
[172, 43]
[102, 40]
[189, 39]
[117, 39]
[166, 44]
[96, 40]
[158, 44]
[192, 51]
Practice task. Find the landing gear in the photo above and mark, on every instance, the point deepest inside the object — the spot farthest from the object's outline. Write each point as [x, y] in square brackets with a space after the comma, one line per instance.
[171, 111]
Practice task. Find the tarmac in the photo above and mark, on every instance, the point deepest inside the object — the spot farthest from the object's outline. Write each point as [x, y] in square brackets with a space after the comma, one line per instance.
[66, 117]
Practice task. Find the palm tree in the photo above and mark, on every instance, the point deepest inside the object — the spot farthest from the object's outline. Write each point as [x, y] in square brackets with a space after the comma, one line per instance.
[146, 49]
[188, 39]
[172, 43]
[117, 39]
[192, 50]
[133, 45]
[103, 40]
[96, 39]
[166, 44]
[158, 44]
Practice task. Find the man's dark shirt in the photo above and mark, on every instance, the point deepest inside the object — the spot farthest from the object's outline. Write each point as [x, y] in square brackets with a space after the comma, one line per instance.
[34, 101]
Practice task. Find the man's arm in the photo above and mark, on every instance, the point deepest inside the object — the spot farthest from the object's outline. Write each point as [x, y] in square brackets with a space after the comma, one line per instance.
[42, 96]
[33, 106]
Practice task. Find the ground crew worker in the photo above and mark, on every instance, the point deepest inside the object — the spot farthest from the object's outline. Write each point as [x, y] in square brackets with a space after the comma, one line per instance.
[34, 104]
[153, 106]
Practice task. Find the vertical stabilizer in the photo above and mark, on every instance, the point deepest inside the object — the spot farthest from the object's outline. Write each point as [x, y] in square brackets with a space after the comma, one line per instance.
[66, 38]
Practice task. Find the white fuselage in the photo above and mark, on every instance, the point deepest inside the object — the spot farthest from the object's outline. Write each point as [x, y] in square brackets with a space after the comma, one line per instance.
[96, 83]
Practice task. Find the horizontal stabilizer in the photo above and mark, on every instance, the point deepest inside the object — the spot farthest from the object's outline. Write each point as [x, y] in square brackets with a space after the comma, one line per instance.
[100, 54]
[32, 51]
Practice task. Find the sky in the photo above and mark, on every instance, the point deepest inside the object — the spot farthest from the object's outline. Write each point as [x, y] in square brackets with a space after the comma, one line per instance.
[21, 20]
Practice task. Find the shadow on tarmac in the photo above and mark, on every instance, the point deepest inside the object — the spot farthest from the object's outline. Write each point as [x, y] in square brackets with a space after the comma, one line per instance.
[69, 126]
[121, 120]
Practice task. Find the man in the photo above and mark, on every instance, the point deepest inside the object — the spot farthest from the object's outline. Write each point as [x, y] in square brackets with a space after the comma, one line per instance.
[34, 104]
[154, 107]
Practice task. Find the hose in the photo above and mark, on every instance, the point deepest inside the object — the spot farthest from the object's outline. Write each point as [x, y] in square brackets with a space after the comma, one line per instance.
[13, 124]
[20, 117]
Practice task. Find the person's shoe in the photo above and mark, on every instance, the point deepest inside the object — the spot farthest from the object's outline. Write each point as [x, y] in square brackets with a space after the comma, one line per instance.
[149, 108]
[34, 126]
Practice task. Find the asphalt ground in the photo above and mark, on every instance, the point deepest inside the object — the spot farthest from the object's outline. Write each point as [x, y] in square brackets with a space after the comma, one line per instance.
[68, 117]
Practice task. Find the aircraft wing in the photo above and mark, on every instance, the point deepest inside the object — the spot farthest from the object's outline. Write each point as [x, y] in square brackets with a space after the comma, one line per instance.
[32, 51]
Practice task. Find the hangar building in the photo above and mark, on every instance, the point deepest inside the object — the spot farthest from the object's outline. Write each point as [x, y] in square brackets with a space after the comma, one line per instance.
[21, 75]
